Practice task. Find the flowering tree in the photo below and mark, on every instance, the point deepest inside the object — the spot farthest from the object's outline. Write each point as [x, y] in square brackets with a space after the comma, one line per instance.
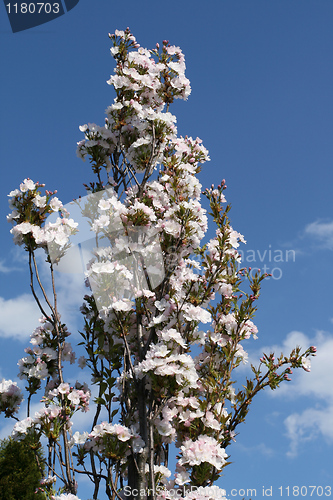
[162, 384]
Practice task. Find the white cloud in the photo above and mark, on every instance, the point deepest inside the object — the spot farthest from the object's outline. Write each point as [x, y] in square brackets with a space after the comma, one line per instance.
[307, 426]
[6, 427]
[317, 419]
[322, 232]
[71, 290]
[317, 416]
[314, 384]
[18, 317]
[7, 269]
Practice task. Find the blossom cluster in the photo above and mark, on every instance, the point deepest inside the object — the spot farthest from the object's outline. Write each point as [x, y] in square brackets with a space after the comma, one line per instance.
[145, 82]
[204, 449]
[10, 397]
[183, 412]
[113, 440]
[61, 403]
[128, 247]
[41, 360]
[161, 362]
[75, 398]
[29, 212]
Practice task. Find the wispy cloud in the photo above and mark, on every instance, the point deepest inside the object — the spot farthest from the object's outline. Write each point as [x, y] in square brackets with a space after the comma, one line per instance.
[70, 291]
[7, 269]
[307, 426]
[16, 260]
[314, 418]
[322, 232]
[317, 417]
[317, 235]
[18, 317]
[260, 448]
[315, 384]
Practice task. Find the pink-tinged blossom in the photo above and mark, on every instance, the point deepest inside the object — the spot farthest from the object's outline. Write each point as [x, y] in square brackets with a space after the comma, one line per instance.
[120, 432]
[119, 33]
[161, 471]
[187, 416]
[77, 396]
[22, 228]
[158, 360]
[74, 397]
[79, 439]
[27, 185]
[40, 201]
[14, 193]
[114, 50]
[46, 415]
[306, 364]
[82, 362]
[39, 371]
[21, 427]
[124, 305]
[48, 481]
[55, 204]
[67, 353]
[204, 449]
[123, 433]
[235, 237]
[196, 313]
[182, 477]
[12, 216]
[229, 322]
[10, 397]
[57, 232]
[210, 421]
[172, 335]
[63, 388]
[224, 289]
[40, 361]
[249, 328]
[241, 353]
[165, 429]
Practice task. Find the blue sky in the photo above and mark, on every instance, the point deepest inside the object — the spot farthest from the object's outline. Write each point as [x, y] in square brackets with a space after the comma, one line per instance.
[261, 76]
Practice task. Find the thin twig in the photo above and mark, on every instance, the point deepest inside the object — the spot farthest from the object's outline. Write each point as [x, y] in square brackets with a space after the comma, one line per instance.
[40, 283]
[34, 292]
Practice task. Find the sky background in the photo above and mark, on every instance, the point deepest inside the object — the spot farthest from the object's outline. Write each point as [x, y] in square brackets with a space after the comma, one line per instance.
[261, 76]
